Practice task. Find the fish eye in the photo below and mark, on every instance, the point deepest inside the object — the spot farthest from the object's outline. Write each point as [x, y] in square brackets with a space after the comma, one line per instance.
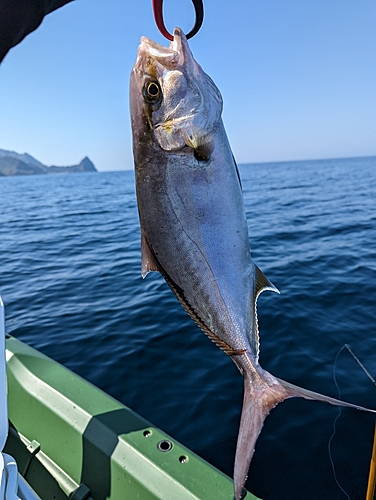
[153, 90]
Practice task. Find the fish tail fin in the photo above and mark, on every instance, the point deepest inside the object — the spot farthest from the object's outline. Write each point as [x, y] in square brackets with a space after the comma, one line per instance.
[259, 399]
[257, 404]
[296, 391]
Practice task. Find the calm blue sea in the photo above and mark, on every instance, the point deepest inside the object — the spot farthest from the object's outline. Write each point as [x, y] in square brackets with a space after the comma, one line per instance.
[70, 279]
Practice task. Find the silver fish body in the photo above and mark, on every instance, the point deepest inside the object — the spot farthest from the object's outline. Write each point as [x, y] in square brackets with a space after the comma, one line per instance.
[193, 224]
[191, 248]
[191, 209]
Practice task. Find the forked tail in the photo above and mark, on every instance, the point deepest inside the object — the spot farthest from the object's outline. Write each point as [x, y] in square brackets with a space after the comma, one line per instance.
[260, 397]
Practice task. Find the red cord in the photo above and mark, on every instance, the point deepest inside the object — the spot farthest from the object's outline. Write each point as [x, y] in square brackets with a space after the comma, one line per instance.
[158, 16]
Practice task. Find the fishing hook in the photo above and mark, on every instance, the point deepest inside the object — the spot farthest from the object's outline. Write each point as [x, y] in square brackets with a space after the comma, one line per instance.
[158, 16]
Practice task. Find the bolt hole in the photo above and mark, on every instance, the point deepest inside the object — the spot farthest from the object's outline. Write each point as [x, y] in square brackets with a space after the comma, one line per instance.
[165, 445]
[183, 459]
[147, 434]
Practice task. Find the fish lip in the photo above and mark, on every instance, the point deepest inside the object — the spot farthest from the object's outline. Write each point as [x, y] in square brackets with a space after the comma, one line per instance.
[179, 39]
[165, 55]
[151, 44]
[170, 56]
[175, 44]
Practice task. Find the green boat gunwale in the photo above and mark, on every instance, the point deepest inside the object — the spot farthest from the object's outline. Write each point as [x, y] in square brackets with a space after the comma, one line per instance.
[74, 440]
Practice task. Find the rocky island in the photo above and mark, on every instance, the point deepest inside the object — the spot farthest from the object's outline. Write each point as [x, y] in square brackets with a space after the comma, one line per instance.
[12, 163]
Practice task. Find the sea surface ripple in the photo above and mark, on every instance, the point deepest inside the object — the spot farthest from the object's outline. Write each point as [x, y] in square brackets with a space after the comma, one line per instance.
[70, 280]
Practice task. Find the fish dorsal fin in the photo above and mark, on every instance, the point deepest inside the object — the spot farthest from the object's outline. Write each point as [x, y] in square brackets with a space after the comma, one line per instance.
[148, 260]
[262, 284]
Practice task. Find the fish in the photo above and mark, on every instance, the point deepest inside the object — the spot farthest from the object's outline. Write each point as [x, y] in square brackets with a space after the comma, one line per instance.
[193, 224]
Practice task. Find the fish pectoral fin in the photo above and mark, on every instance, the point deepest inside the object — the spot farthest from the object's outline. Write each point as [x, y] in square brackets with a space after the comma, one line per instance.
[148, 260]
[262, 283]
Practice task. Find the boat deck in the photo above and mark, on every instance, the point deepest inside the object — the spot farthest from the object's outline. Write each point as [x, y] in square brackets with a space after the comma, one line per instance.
[72, 440]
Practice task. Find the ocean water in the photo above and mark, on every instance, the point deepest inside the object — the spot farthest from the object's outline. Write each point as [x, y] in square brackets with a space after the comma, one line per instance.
[71, 283]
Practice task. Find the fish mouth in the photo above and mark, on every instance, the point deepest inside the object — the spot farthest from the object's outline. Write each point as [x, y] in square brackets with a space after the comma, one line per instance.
[172, 56]
[164, 55]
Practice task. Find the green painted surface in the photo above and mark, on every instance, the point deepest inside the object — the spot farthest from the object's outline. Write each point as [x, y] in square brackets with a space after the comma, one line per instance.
[88, 437]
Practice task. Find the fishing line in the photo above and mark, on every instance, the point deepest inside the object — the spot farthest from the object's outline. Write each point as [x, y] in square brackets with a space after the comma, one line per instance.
[340, 409]
[360, 364]
[335, 423]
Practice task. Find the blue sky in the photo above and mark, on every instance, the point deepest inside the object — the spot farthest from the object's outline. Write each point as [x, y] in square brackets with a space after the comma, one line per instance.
[298, 78]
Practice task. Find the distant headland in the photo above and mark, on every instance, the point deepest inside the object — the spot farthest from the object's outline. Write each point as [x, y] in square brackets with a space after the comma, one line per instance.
[12, 163]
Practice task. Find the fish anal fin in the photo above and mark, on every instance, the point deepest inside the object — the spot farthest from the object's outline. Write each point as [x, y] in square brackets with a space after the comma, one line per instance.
[151, 263]
[179, 293]
[148, 260]
[224, 346]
